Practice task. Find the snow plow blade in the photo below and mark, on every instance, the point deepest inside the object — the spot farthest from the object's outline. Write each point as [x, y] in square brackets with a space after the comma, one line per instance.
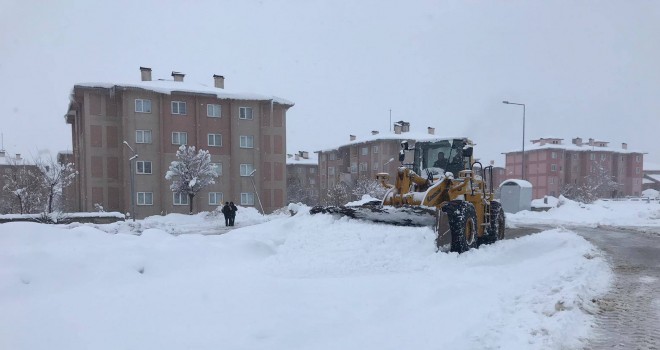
[416, 216]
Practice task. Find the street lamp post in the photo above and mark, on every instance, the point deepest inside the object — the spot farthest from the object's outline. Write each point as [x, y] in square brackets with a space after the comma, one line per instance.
[255, 189]
[523, 135]
[130, 169]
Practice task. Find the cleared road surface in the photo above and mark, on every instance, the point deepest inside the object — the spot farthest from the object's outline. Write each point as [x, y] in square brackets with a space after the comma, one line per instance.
[628, 317]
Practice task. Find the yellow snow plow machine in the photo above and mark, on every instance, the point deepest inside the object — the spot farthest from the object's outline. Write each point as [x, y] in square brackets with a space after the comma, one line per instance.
[454, 195]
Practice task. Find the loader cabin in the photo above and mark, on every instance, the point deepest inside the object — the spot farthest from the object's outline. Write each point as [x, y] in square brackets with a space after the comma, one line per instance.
[441, 156]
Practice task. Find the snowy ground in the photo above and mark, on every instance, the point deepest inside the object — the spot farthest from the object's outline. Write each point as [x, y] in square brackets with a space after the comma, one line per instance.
[302, 282]
[630, 213]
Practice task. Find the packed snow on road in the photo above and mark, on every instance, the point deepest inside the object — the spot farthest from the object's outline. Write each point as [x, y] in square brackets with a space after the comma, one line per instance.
[290, 282]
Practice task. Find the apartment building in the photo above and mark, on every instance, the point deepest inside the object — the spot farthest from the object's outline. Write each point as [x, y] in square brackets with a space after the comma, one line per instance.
[302, 178]
[550, 165]
[366, 156]
[245, 134]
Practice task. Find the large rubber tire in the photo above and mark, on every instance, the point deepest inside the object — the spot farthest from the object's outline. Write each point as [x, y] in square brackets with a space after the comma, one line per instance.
[495, 230]
[462, 225]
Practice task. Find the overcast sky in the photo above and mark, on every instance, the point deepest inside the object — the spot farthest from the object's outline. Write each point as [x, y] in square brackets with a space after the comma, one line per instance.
[583, 68]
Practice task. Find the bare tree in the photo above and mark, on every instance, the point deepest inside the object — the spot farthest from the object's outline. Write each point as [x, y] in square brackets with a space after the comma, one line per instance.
[338, 194]
[366, 185]
[191, 172]
[599, 183]
[54, 177]
[23, 185]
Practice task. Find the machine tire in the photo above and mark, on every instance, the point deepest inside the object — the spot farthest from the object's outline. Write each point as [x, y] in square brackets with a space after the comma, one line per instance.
[495, 231]
[462, 225]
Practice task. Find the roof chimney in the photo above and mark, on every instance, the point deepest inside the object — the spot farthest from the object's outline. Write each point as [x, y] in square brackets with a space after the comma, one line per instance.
[352, 137]
[296, 156]
[374, 132]
[624, 145]
[18, 156]
[304, 154]
[397, 128]
[577, 141]
[219, 81]
[178, 76]
[145, 73]
[591, 141]
[431, 130]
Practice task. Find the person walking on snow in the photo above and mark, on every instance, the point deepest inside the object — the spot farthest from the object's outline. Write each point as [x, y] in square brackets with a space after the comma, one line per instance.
[232, 213]
[226, 211]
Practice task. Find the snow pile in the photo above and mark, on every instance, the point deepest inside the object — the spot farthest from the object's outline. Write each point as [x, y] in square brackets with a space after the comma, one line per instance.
[365, 199]
[302, 282]
[545, 202]
[204, 223]
[651, 193]
[627, 213]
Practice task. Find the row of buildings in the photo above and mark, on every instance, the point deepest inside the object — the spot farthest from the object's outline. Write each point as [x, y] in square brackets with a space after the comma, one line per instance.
[125, 135]
[550, 164]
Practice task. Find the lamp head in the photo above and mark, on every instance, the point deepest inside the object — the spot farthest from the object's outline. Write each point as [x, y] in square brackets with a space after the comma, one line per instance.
[507, 102]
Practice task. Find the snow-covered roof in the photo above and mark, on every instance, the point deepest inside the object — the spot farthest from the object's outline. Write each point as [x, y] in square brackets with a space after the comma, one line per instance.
[391, 135]
[573, 147]
[654, 177]
[312, 160]
[647, 181]
[521, 183]
[170, 86]
[11, 160]
[650, 166]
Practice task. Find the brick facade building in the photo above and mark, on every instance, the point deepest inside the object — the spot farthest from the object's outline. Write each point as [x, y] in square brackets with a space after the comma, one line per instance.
[551, 164]
[242, 132]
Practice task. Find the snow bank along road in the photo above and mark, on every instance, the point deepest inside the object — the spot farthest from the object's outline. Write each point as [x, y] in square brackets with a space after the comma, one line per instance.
[629, 315]
[304, 282]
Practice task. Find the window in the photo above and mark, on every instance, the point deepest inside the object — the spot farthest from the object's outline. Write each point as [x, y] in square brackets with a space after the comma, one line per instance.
[180, 198]
[622, 158]
[246, 169]
[333, 156]
[312, 170]
[312, 181]
[245, 113]
[554, 155]
[592, 156]
[374, 149]
[353, 168]
[145, 198]
[247, 142]
[553, 167]
[215, 140]
[331, 170]
[637, 170]
[143, 167]
[363, 166]
[218, 168]
[142, 106]
[323, 157]
[552, 180]
[603, 156]
[574, 155]
[375, 167]
[215, 198]
[178, 107]
[213, 111]
[365, 151]
[638, 158]
[142, 136]
[179, 138]
[247, 198]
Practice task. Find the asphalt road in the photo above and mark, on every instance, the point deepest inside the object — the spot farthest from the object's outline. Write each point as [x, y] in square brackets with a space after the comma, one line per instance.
[628, 317]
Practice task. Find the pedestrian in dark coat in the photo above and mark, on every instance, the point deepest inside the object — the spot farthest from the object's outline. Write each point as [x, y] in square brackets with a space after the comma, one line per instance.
[232, 210]
[226, 211]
